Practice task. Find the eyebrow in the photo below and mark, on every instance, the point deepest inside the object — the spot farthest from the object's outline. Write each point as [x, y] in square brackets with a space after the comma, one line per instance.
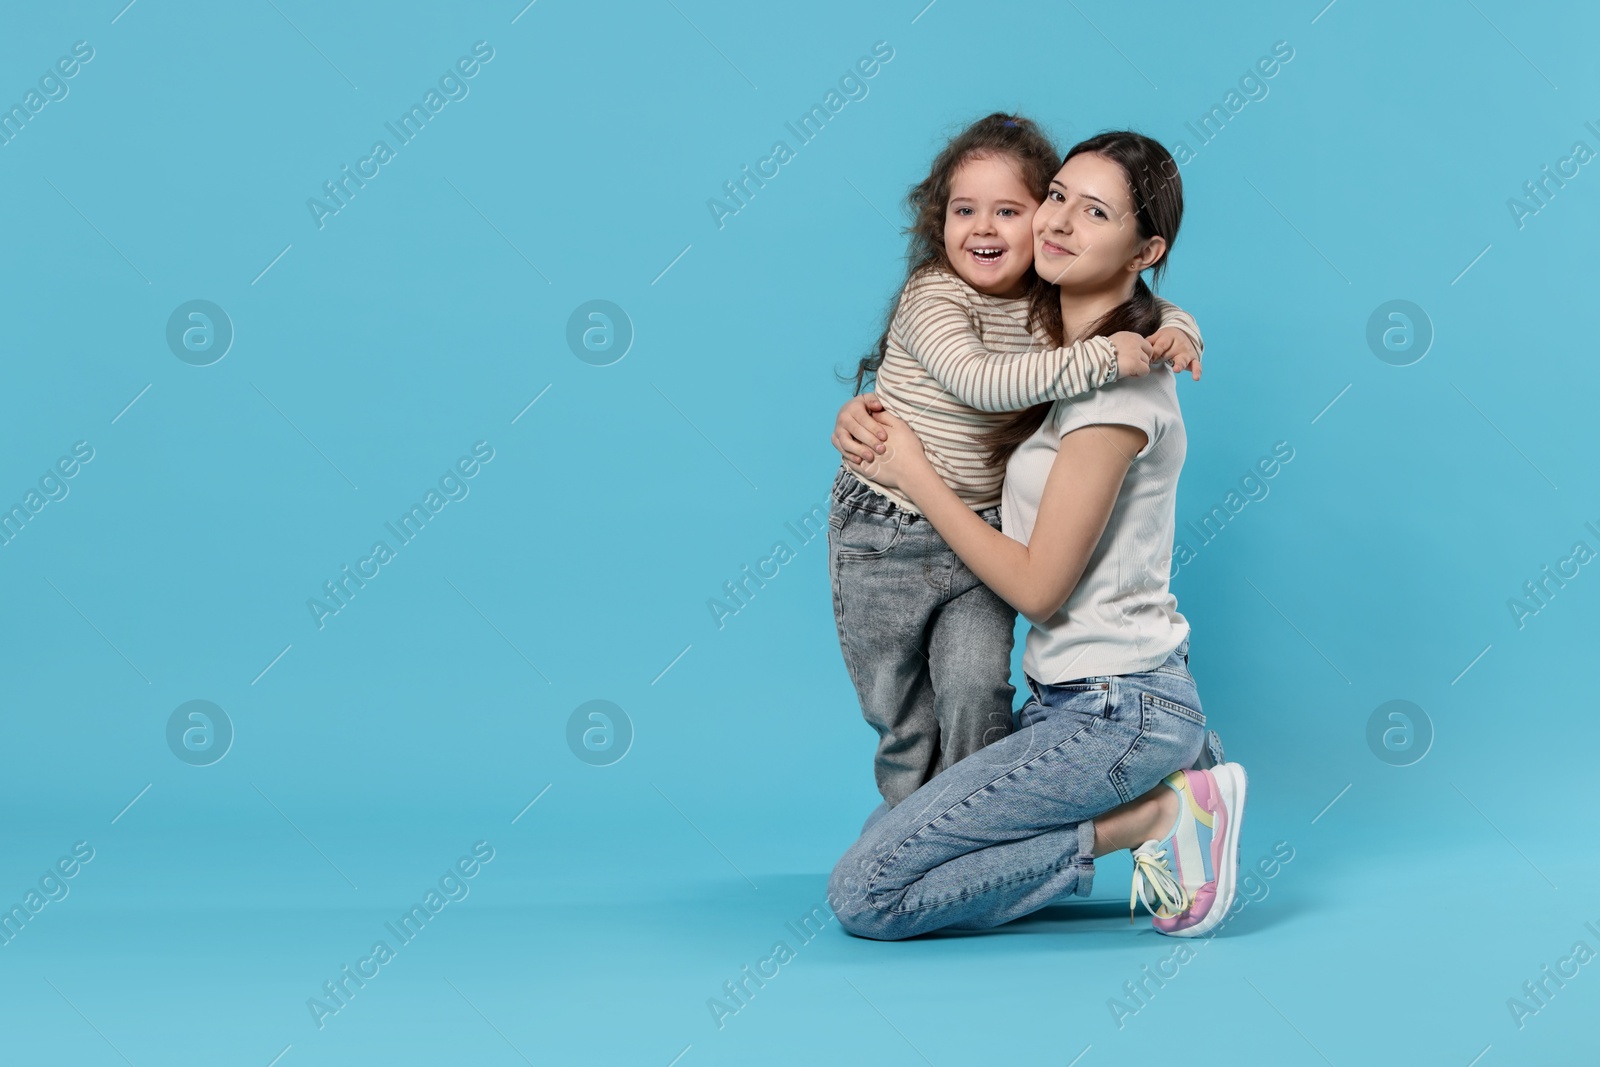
[1005, 200]
[1088, 196]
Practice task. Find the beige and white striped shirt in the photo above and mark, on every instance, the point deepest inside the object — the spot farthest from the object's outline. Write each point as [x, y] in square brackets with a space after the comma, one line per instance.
[958, 362]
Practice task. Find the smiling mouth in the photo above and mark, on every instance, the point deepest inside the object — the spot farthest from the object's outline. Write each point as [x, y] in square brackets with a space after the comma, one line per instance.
[1054, 249]
[986, 255]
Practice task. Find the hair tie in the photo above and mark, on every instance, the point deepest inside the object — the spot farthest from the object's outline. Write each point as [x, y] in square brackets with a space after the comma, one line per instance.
[1008, 124]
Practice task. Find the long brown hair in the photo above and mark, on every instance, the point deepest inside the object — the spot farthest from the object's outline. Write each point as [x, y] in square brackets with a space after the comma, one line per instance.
[1157, 192]
[998, 135]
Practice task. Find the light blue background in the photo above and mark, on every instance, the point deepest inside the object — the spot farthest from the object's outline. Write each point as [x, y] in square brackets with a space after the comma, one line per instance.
[426, 715]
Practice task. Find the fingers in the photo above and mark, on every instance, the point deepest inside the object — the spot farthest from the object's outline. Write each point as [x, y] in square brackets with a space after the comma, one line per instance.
[1187, 362]
[886, 418]
[867, 466]
[856, 440]
[1141, 366]
[843, 446]
[867, 437]
[855, 435]
[862, 410]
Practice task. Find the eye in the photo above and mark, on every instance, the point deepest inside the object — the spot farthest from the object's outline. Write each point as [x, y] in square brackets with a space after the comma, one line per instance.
[1097, 212]
[1055, 194]
[963, 211]
[1008, 211]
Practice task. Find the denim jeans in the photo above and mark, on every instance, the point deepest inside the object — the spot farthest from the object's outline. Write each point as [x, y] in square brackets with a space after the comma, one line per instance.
[927, 645]
[1011, 828]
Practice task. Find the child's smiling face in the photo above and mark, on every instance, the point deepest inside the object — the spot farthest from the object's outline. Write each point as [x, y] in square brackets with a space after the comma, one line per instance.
[988, 226]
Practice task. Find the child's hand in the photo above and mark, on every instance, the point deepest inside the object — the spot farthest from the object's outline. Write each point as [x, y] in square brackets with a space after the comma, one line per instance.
[1171, 345]
[1133, 354]
[902, 460]
[855, 435]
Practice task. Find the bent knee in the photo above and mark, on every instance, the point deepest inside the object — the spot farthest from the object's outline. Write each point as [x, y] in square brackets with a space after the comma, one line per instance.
[863, 911]
[852, 898]
[861, 919]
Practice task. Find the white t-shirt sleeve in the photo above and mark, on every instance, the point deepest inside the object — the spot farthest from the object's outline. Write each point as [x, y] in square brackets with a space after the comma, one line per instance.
[1126, 402]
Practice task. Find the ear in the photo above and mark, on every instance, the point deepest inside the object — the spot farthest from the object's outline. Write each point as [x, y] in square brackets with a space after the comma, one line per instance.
[1149, 253]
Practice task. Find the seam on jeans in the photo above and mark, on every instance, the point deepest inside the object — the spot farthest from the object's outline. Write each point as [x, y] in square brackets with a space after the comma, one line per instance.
[856, 662]
[877, 869]
[856, 555]
[845, 643]
[1117, 778]
[1173, 707]
[944, 582]
[1027, 876]
[998, 701]
[1077, 689]
[1149, 702]
[958, 566]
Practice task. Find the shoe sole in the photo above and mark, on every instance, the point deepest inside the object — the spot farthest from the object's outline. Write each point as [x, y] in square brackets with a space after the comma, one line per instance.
[1231, 787]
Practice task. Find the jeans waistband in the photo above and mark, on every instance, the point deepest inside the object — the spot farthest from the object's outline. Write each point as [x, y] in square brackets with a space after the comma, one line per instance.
[1181, 652]
[848, 489]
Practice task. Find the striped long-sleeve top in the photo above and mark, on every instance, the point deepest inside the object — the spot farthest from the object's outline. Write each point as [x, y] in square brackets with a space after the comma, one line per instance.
[958, 362]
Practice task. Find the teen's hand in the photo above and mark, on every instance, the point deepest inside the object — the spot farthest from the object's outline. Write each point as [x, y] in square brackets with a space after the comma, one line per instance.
[855, 435]
[902, 461]
[1133, 354]
[1172, 345]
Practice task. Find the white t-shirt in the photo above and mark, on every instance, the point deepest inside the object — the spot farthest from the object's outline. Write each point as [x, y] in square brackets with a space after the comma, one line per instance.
[1120, 619]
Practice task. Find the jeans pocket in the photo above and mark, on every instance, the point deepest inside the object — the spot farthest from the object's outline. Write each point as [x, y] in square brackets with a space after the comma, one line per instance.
[1172, 707]
[865, 534]
[1086, 696]
[1167, 736]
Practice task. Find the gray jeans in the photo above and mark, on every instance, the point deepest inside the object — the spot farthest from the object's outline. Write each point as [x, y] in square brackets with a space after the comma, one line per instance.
[926, 643]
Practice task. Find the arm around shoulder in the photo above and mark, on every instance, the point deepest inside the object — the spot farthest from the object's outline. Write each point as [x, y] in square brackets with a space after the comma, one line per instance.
[936, 326]
[1174, 317]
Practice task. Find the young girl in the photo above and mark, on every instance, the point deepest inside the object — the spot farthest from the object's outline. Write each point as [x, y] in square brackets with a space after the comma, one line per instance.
[1089, 492]
[926, 643]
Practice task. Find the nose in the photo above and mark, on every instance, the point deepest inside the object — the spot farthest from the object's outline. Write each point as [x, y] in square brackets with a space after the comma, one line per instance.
[1048, 219]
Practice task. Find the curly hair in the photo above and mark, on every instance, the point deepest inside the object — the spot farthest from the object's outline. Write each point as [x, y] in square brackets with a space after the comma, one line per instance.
[999, 135]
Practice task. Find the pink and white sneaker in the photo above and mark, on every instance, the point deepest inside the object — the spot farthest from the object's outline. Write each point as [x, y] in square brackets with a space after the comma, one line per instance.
[1187, 881]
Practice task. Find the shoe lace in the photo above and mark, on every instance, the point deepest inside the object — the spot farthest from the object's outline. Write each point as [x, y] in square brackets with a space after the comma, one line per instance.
[1153, 878]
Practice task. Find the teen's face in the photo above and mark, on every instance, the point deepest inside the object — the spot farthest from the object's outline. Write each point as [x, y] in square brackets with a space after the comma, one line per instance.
[1085, 234]
[987, 226]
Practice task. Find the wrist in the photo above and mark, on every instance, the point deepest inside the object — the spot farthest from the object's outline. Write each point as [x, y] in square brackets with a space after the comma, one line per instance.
[920, 483]
[1113, 368]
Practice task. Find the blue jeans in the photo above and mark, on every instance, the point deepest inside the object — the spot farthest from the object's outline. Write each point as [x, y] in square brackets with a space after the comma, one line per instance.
[927, 645]
[1010, 829]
